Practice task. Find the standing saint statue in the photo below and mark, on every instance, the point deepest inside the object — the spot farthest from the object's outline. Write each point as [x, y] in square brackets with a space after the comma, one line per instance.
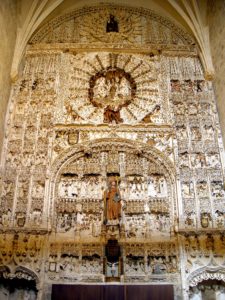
[112, 201]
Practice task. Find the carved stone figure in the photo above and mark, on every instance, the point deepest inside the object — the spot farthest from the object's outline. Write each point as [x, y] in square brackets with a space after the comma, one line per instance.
[205, 219]
[184, 159]
[175, 86]
[220, 218]
[217, 190]
[6, 218]
[213, 160]
[208, 132]
[112, 269]
[199, 85]
[190, 219]
[57, 154]
[182, 133]
[112, 25]
[187, 189]
[193, 109]
[195, 133]
[188, 85]
[158, 266]
[73, 138]
[112, 201]
[198, 160]
[202, 189]
[111, 115]
[149, 117]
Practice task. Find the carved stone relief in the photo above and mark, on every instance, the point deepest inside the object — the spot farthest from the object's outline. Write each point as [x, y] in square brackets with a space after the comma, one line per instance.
[109, 88]
[113, 25]
[80, 119]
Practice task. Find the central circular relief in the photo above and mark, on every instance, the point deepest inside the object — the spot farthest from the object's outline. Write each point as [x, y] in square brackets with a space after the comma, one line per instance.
[112, 88]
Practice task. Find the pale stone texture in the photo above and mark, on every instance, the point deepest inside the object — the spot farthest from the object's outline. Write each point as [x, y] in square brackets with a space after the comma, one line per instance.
[67, 143]
[217, 37]
[8, 27]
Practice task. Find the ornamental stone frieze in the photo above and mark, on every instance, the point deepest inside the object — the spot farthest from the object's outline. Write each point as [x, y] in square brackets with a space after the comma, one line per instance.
[112, 165]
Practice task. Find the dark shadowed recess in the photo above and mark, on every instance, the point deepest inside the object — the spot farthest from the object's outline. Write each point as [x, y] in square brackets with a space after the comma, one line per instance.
[112, 292]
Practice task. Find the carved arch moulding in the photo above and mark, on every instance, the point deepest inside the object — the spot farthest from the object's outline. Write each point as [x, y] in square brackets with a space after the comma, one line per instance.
[19, 272]
[206, 273]
[81, 174]
[130, 28]
[105, 145]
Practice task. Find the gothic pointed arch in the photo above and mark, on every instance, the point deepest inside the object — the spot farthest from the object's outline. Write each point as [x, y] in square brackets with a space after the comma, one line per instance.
[76, 27]
[206, 273]
[138, 147]
[80, 174]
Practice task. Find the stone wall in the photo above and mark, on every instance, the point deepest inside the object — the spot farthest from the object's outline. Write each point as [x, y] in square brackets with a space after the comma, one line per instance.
[217, 37]
[112, 164]
[8, 27]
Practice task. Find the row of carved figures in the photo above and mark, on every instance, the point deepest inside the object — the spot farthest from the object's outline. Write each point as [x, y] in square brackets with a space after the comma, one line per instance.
[93, 187]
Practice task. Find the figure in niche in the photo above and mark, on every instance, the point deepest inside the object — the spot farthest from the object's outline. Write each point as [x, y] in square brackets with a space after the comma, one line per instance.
[112, 201]
[112, 25]
[190, 219]
[175, 86]
[152, 187]
[112, 269]
[219, 218]
[6, 218]
[158, 266]
[112, 89]
[205, 219]
[199, 85]
[111, 115]
[188, 86]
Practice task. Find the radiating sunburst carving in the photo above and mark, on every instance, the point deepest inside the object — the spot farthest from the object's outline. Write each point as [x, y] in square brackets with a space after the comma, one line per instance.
[113, 87]
[129, 27]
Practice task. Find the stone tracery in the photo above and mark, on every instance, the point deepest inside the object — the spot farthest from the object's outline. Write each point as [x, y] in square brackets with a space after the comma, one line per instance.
[80, 189]
[79, 116]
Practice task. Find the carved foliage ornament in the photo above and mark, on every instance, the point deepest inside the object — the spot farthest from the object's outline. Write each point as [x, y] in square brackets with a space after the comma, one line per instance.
[207, 276]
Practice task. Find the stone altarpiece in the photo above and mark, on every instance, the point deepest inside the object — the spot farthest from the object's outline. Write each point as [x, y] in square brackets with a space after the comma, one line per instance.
[127, 101]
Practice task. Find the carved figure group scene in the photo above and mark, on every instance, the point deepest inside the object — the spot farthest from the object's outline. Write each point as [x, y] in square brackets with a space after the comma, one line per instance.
[112, 166]
[89, 203]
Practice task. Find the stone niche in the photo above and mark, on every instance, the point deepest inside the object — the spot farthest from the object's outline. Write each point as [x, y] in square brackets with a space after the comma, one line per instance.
[144, 185]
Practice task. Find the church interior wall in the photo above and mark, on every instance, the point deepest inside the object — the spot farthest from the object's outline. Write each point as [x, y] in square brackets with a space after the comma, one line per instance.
[112, 142]
[8, 28]
[217, 37]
